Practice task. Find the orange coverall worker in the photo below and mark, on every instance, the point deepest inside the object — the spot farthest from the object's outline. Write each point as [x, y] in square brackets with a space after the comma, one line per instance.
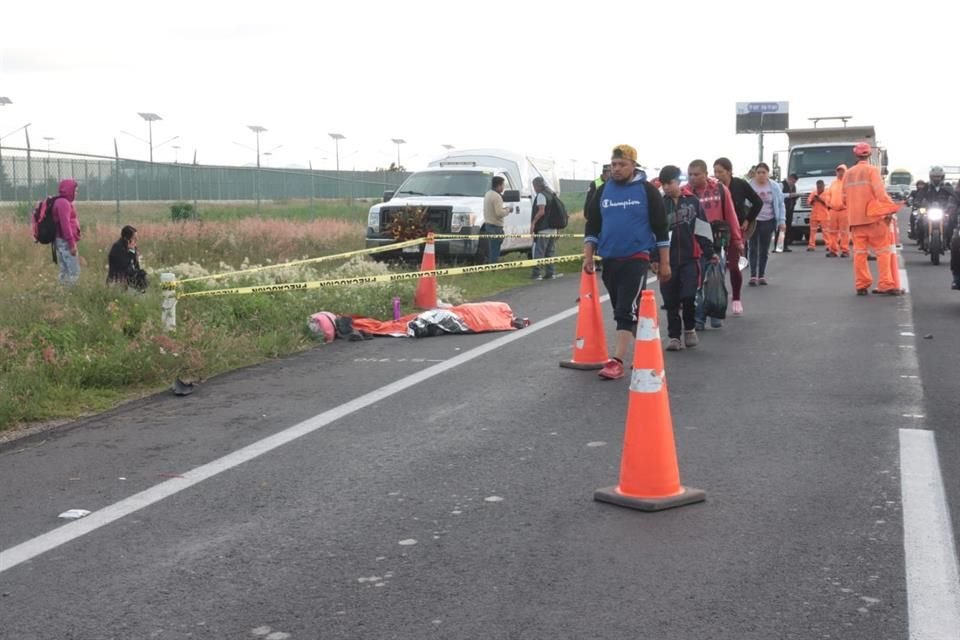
[862, 186]
[839, 240]
[819, 217]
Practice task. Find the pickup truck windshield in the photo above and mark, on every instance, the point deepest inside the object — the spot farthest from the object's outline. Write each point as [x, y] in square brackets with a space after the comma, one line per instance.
[471, 184]
[809, 162]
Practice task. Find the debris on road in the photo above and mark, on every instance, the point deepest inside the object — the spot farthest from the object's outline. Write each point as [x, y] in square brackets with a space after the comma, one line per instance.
[74, 514]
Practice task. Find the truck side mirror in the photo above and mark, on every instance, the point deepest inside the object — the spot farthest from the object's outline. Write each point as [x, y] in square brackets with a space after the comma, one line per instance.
[387, 196]
[511, 196]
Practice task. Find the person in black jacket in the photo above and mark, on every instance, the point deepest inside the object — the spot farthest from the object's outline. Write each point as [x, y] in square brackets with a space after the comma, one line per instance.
[123, 263]
[747, 204]
[691, 239]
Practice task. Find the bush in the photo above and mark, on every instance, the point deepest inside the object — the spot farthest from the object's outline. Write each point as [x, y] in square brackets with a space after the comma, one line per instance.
[180, 211]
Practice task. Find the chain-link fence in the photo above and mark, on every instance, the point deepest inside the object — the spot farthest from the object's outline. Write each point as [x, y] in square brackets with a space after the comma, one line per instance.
[28, 175]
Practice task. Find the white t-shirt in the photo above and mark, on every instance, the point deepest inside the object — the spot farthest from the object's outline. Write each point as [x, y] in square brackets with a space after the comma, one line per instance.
[539, 201]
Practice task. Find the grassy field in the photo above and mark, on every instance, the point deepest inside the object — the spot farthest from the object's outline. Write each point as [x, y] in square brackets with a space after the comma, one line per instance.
[67, 352]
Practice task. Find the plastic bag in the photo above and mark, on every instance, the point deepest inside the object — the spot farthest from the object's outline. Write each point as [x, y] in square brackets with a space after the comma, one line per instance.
[715, 292]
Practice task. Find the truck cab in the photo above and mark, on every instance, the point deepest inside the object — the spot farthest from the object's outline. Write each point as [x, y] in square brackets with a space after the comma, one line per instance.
[450, 191]
[814, 155]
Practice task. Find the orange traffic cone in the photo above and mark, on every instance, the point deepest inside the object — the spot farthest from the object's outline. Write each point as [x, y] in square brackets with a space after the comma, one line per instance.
[894, 255]
[590, 341]
[649, 475]
[426, 295]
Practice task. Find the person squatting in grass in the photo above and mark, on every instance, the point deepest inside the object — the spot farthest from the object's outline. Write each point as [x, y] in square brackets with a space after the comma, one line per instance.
[691, 240]
[123, 262]
[626, 223]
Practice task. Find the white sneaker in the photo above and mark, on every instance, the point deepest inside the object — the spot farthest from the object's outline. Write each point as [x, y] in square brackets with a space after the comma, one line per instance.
[737, 308]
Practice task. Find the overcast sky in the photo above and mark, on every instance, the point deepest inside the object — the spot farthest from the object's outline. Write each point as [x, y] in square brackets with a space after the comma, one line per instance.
[549, 79]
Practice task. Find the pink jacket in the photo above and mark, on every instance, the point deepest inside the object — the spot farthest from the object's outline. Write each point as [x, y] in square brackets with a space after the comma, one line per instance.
[68, 226]
[718, 205]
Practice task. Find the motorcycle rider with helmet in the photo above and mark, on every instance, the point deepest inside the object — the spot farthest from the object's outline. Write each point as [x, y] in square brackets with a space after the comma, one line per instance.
[937, 193]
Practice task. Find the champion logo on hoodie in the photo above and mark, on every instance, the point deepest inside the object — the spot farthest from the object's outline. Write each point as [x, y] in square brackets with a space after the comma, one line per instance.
[607, 203]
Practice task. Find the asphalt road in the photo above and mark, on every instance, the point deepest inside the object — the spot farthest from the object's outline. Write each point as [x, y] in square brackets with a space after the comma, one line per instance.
[461, 507]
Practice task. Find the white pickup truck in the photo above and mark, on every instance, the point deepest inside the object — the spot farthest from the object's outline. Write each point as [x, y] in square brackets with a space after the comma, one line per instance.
[451, 191]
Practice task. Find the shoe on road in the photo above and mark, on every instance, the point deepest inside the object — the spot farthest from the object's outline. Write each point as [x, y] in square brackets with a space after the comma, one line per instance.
[613, 370]
[716, 323]
[862, 292]
[763, 281]
[690, 339]
[846, 254]
[737, 308]
[674, 345]
[831, 254]
[555, 276]
[700, 326]
[753, 282]
[811, 249]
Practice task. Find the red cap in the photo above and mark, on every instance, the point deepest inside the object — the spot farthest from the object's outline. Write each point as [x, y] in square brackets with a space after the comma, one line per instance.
[862, 150]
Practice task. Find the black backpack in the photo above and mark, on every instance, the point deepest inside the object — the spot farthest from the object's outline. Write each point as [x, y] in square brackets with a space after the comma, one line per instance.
[44, 224]
[557, 216]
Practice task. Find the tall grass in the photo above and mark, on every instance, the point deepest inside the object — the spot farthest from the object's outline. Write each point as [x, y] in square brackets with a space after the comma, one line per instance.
[67, 351]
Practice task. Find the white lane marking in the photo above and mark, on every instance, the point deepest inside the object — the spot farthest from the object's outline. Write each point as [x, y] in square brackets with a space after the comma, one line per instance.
[904, 280]
[29, 549]
[933, 583]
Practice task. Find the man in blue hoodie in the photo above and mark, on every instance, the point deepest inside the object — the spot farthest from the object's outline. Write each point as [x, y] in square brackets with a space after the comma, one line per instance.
[626, 224]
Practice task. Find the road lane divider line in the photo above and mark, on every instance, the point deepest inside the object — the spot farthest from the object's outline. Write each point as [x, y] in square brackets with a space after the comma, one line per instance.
[64, 534]
[933, 579]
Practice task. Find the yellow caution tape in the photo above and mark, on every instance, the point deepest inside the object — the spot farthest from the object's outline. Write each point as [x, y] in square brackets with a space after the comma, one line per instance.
[501, 236]
[338, 256]
[387, 278]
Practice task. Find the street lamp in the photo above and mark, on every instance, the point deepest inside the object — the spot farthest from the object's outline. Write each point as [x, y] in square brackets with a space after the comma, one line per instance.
[398, 142]
[176, 153]
[337, 137]
[150, 118]
[257, 129]
[574, 161]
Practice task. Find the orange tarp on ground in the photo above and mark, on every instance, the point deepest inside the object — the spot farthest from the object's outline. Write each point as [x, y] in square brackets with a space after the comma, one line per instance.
[480, 317]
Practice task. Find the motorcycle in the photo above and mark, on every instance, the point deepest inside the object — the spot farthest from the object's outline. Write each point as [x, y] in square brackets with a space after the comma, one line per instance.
[936, 246]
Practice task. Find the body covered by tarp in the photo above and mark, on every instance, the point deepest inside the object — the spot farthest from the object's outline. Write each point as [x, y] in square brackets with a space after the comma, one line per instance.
[479, 317]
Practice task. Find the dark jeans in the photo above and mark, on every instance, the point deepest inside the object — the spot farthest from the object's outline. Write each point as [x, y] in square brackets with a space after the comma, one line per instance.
[760, 247]
[491, 248]
[545, 246]
[677, 324]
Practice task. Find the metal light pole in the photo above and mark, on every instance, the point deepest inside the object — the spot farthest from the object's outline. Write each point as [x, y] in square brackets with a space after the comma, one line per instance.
[150, 118]
[574, 161]
[257, 129]
[398, 142]
[337, 137]
[595, 163]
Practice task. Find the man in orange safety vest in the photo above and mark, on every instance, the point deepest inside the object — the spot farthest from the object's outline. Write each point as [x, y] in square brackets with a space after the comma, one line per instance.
[869, 207]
